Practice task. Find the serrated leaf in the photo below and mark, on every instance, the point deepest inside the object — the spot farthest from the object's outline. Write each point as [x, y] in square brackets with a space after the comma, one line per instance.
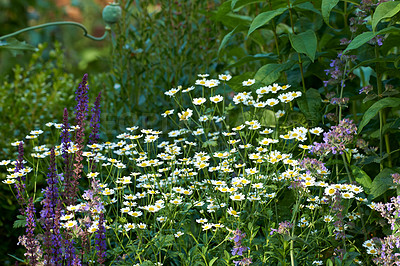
[384, 10]
[305, 43]
[374, 109]
[264, 18]
[16, 47]
[326, 8]
[21, 222]
[382, 182]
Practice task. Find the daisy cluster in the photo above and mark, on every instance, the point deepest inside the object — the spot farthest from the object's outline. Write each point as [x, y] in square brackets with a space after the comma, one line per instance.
[149, 180]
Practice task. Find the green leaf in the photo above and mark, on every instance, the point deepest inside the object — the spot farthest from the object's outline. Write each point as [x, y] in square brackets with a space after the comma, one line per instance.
[360, 40]
[18, 259]
[270, 57]
[264, 18]
[367, 36]
[212, 261]
[382, 182]
[16, 47]
[374, 109]
[362, 178]
[384, 10]
[307, 6]
[310, 105]
[226, 39]
[21, 222]
[305, 42]
[233, 3]
[271, 72]
[326, 8]
[238, 4]
[211, 143]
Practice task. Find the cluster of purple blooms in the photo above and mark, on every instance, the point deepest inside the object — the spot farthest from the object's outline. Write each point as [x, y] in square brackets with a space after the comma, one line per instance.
[284, 228]
[312, 166]
[56, 245]
[389, 251]
[239, 249]
[336, 72]
[336, 139]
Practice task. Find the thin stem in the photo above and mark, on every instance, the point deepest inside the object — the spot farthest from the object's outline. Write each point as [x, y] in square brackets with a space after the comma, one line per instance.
[300, 61]
[381, 119]
[346, 167]
[59, 23]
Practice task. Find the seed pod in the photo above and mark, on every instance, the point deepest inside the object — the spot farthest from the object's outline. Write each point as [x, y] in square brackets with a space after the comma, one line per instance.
[111, 13]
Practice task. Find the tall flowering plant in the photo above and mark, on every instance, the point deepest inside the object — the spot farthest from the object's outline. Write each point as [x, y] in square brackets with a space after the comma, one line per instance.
[230, 160]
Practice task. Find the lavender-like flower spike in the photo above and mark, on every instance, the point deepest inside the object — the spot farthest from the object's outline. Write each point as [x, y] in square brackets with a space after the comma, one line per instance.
[101, 242]
[50, 216]
[65, 145]
[81, 112]
[95, 126]
[95, 121]
[33, 252]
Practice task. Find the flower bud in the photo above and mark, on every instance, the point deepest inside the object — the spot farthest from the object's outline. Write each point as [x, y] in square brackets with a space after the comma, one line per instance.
[112, 13]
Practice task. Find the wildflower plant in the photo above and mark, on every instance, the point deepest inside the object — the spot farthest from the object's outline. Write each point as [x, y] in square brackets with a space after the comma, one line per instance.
[232, 173]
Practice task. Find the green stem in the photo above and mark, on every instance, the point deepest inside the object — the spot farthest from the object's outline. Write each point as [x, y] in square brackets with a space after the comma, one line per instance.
[300, 61]
[346, 167]
[59, 23]
[381, 119]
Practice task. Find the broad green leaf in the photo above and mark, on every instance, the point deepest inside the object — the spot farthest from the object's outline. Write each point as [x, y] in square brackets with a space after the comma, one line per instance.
[264, 18]
[307, 6]
[326, 8]
[223, 9]
[360, 40]
[310, 105]
[374, 109]
[270, 73]
[362, 178]
[367, 36]
[305, 42]
[382, 182]
[384, 10]
[236, 82]
[225, 40]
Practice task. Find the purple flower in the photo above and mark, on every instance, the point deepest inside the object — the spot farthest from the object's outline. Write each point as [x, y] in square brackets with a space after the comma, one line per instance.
[336, 139]
[50, 215]
[80, 112]
[238, 248]
[101, 241]
[95, 121]
[312, 166]
[33, 252]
